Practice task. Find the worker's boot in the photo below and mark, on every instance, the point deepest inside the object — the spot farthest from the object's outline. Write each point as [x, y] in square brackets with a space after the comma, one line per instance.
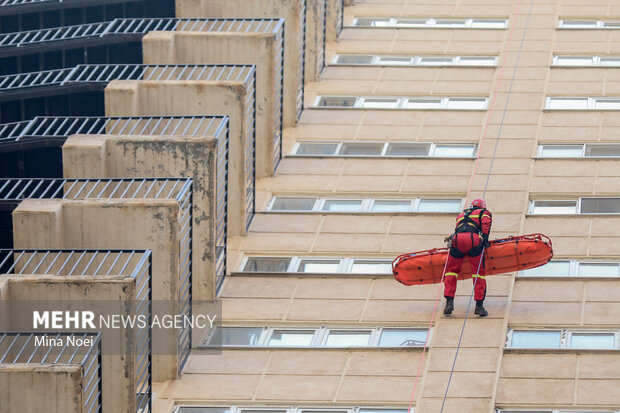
[480, 310]
[449, 305]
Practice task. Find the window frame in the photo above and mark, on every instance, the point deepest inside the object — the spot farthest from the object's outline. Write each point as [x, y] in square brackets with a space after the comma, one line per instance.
[578, 203]
[366, 205]
[402, 102]
[573, 269]
[565, 338]
[430, 153]
[431, 23]
[319, 337]
[595, 24]
[416, 60]
[592, 103]
[240, 408]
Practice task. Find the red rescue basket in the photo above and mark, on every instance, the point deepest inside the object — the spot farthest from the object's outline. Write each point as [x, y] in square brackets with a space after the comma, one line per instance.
[502, 256]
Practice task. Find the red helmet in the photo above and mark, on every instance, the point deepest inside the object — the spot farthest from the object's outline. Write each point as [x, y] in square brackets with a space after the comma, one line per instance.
[479, 203]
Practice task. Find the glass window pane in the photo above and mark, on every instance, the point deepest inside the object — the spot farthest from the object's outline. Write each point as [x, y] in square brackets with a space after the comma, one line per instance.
[410, 22]
[567, 103]
[598, 269]
[371, 267]
[610, 61]
[603, 150]
[354, 59]
[574, 61]
[423, 103]
[439, 205]
[267, 264]
[467, 103]
[395, 61]
[316, 148]
[489, 24]
[600, 205]
[477, 61]
[454, 151]
[535, 339]
[408, 149]
[291, 338]
[391, 206]
[319, 266]
[235, 336]
[341, 205]
[561, 151]
[450, 23]
[199, 409]
[283, 203]
[611, 25]
[578, 24]
[364, 410]
[551, 269]
[395, 337]
[555, 207]
[593, 341]
[380, 103]
[607, 104]
[347, 338]
[337, 101]
[371, 22]
[434, 61]
[361, 149]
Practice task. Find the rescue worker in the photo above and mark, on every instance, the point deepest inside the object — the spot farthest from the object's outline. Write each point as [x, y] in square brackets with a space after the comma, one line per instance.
[470, 236]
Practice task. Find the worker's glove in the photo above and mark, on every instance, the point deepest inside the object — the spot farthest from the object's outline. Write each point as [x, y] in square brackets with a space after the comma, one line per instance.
[485, 241]
[448, 241]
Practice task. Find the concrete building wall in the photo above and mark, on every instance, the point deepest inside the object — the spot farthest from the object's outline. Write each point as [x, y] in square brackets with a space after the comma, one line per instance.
[59, 388]
[230, 98]
[104, 224]
[88, 156]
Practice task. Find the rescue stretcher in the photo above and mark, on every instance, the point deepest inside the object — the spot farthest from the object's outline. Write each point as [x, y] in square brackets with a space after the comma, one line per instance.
[502, 256]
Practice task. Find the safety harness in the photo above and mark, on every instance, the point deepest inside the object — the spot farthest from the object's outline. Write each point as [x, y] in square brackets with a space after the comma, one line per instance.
[467, 224]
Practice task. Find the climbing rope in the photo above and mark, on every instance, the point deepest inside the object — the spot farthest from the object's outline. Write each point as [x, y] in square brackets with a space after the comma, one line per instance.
[484, 133]
[499, 132]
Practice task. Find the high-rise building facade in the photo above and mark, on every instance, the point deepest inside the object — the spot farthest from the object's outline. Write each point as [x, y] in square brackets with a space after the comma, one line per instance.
[300, 146]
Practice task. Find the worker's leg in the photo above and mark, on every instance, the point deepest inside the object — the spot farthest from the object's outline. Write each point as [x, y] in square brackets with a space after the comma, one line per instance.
[480, 283]
[452, 272]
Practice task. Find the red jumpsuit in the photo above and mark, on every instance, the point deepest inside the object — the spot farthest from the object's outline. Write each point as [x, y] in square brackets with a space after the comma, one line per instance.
[471, 226]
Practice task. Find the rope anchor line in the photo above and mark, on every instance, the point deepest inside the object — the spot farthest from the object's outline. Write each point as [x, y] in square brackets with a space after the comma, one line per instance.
[499, 132]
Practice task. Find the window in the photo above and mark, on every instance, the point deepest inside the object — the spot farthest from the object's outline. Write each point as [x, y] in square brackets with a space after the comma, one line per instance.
[579, 103]
[341, 337]
[283, 203]
[319, 265]
[342, 205]
[284, 409]
[442, 23]
[600, 205]
[266, 264]
[235, 336]
[553, 207]
[347, 338]
[355, 205]
[371, 267]
[575, 268]
[596, 341]
[399, 103]
[386, 149]
[318, 148]
[361, 149]
[414, 60]
[336, 101]
[391, 206]
[577, 24]
[587, 150]
[573, 61]
[291, 338]
[439, 205]
[563, 339]
[535, 339]
[397, 337]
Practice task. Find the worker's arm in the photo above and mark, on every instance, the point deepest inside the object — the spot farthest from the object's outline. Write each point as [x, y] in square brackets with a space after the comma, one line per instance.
[486, 220]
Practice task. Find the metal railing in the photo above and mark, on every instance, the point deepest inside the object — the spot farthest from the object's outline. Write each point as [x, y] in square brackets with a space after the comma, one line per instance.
[22, 348]
[136, 264]
[10, 7]
[279, 97]
[250, 150]
[301, 60]
[14, 190]
[96, 77]
[53, 131]
[44, 131]
[121, 30]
